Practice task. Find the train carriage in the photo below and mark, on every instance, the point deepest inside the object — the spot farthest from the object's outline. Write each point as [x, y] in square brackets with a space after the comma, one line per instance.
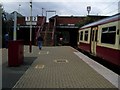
[102, 39]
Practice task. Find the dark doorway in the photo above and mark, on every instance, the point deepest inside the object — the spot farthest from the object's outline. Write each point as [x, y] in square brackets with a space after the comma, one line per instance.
[73, 37]
[69, 37]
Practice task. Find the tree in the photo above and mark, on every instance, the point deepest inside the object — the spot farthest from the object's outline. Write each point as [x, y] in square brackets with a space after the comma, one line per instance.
[85, 21]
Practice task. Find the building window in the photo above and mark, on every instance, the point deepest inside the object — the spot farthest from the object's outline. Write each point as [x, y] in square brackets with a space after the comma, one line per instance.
[86, 36]
[81, 35]
[108, 35]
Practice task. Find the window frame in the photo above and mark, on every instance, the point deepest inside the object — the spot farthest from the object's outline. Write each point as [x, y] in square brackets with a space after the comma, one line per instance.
[104, 39]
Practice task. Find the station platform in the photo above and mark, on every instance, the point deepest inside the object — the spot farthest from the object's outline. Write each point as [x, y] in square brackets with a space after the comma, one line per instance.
[62, 67]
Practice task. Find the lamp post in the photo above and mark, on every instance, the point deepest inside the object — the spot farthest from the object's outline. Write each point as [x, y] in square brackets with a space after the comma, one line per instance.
[42, 11]
[30, 48]
[88, 9]
[19, 8]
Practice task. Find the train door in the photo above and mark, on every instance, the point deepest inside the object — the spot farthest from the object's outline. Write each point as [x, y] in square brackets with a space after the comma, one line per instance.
[94, 39]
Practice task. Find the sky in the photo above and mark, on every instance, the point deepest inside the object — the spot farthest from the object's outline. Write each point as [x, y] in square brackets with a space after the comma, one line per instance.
[62, 7]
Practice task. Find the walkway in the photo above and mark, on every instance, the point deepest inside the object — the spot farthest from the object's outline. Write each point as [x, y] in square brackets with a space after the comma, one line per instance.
[59, 67]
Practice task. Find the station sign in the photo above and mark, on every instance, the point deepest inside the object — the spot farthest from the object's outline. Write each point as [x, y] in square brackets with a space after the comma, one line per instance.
[29, 23]
[34, 20]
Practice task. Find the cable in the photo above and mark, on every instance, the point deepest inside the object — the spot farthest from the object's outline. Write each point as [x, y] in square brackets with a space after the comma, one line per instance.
[109, 6]
[113, 11]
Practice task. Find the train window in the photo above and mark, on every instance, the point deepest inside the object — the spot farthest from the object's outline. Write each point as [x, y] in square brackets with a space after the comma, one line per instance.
[108, 35]
[104, 30]
[112, 29]
[86, 36]
[81, 35]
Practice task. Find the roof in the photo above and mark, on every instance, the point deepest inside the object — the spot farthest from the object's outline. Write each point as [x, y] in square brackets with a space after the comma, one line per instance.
[103, 21]
[75, 16]
[18, 14]
[67, 16]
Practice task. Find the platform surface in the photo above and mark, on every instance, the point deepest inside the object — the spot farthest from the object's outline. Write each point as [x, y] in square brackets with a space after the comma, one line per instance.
[60, 67]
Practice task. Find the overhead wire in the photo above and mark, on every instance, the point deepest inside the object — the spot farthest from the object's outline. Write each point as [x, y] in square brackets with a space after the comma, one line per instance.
[111, 4]
[113, 11]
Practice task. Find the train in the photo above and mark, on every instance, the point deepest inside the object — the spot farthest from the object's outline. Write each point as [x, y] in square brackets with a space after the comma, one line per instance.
[102, 39]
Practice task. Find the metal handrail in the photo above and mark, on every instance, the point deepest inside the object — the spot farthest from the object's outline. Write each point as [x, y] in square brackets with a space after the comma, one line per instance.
[40, 28]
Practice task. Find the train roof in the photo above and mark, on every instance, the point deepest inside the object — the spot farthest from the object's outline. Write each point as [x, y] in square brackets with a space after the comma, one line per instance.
[103, 21]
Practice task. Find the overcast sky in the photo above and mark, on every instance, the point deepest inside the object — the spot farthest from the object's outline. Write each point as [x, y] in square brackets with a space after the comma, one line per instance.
[62, 7]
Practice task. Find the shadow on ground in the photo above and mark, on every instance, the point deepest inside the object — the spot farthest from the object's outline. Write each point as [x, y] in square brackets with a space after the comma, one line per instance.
[10, 75]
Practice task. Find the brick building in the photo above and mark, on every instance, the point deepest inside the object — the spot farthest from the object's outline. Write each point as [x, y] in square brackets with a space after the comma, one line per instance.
[67, 28]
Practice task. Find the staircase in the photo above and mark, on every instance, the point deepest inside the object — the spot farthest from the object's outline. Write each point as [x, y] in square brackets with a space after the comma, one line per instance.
[53, 32]
[48, 35]
[40, 30]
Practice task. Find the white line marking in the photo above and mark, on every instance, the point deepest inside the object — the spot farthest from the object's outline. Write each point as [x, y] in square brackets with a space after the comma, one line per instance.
[43, 52]
[39, 66]
[61, 61]
[36, 66]
[47, 52]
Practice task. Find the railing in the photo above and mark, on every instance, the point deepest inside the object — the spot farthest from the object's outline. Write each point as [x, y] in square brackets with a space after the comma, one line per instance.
[67, 26]
[45, 35]
[53, 32]
[40, 28]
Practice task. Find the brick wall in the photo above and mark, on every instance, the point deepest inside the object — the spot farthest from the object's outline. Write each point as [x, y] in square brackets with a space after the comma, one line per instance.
[69, 20]
[21, 20]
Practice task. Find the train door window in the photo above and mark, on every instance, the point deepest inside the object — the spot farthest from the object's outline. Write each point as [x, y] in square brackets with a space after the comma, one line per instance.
[93, 35]
[96, 35]
[86, 36]
[108, 35]
[81, 35]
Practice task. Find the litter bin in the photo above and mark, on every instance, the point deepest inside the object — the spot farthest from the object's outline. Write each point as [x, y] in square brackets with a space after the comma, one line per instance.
[15, 53]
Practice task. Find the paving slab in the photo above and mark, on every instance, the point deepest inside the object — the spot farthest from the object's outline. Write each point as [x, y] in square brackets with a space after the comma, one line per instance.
[59, 67]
